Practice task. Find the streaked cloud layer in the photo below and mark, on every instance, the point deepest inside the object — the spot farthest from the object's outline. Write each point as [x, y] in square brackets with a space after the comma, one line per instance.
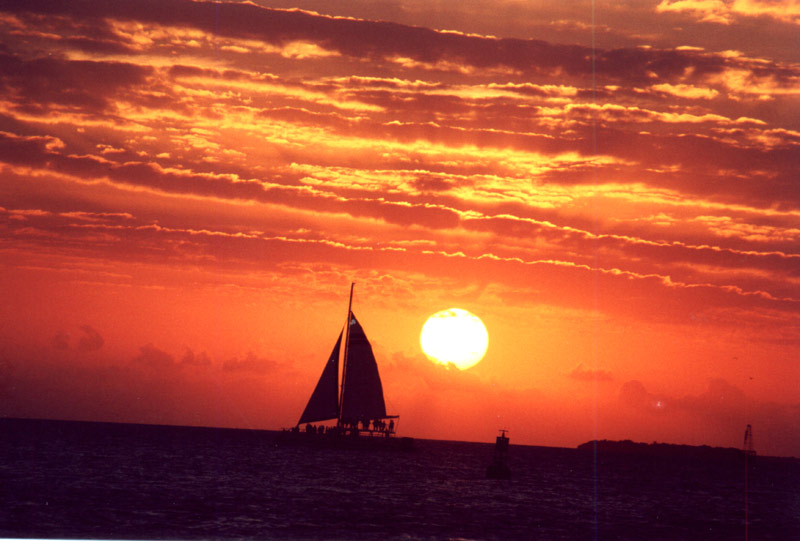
[579, 175]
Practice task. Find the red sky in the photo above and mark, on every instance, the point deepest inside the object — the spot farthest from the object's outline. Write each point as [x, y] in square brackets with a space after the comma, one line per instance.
[187, 190]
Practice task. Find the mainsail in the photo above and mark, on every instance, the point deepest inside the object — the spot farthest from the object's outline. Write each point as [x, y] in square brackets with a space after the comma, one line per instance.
[324, 401]
[362, 393]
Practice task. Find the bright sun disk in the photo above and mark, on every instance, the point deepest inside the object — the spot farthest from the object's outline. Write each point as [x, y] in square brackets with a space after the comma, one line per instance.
[454, 336]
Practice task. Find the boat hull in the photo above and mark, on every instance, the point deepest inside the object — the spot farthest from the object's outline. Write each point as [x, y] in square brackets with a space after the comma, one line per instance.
[344, 441]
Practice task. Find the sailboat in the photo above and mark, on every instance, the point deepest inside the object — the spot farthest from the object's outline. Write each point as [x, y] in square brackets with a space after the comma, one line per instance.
[357, 404]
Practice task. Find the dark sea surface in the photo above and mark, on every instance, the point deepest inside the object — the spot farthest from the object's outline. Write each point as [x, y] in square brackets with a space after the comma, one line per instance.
[97, 480]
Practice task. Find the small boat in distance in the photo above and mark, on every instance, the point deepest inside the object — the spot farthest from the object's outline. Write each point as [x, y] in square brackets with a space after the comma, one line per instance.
[357, 404]
[498, 469]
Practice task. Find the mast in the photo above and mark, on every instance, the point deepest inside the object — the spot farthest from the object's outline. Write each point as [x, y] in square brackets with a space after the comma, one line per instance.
[346, 348]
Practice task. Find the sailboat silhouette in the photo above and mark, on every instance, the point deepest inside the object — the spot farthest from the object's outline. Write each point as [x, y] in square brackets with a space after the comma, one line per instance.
[357, 405]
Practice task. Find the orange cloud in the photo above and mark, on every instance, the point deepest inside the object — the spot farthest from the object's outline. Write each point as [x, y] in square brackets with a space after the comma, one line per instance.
[727, 11]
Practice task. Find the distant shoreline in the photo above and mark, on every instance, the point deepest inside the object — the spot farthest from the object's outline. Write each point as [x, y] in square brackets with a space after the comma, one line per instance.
[667, 450]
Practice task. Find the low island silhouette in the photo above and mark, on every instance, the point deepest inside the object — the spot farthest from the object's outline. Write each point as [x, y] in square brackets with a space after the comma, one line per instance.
[665, 450]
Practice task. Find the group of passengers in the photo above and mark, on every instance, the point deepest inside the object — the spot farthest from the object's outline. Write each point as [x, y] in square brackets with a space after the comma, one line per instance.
[379, 425]
[321, 429]
[367, 425]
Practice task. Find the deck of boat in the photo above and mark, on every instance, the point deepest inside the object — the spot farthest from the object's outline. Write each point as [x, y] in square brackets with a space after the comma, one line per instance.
[360, 440]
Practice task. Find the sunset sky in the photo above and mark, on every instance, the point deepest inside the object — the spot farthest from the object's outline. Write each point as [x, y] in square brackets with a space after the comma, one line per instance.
[187, 190]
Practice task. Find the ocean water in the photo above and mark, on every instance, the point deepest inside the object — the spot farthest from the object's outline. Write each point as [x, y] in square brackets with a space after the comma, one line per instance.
[97, 480]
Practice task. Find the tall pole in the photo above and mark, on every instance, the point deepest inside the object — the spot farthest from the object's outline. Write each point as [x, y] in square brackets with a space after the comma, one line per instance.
[346, 349]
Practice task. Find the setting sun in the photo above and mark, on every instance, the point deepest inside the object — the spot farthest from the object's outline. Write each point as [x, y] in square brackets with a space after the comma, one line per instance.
[456, 337]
